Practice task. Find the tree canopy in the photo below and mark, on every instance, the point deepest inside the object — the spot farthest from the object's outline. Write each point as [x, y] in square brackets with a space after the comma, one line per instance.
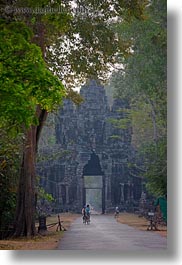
[143, 81]
[25, 79]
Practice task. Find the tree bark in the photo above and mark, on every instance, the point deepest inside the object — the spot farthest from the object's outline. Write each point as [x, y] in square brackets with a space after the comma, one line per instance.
[153, 116]
[25, 211]
[26, 196]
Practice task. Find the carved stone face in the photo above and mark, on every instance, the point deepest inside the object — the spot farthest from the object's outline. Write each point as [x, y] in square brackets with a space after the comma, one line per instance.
[89, 143]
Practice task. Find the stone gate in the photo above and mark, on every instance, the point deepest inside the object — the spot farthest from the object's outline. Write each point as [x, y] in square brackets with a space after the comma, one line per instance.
[87, 131]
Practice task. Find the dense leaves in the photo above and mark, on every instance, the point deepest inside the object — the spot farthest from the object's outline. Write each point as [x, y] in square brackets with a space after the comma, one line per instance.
[90, 46]
[143, 80]
[156, 168]
[10, 157]
[25, 80]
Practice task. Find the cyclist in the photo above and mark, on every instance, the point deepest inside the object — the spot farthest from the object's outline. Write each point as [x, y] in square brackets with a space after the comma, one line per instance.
[87, 211]
[116, 211]
[84, 214]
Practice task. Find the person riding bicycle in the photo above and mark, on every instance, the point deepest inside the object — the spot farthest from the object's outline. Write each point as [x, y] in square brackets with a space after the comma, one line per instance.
[84, 213]
[87, 211]
[116, 211]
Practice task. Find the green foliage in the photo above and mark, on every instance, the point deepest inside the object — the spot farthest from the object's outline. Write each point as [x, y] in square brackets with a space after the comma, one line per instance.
[90, 46]
[44, 195]
[157, 168]
[123, 123]
[44, 202]
[143, 80]
[25, 80]
[7, 210]
[82, 40]
[10, 157]
[25, 83]
[53, 155]
[145, 71]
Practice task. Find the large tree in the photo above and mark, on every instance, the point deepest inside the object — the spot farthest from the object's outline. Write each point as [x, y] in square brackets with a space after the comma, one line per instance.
[27, 86]
[74, 43]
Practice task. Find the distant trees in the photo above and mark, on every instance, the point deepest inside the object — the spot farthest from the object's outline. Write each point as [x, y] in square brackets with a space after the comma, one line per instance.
[143, 81]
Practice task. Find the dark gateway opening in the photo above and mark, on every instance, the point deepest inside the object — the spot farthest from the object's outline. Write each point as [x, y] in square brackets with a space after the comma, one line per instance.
[94, 188]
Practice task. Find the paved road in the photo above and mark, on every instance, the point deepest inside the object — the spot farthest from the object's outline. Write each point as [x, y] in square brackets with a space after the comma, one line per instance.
[104, 233]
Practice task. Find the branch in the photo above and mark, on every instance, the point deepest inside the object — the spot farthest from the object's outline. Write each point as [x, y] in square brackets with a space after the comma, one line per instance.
[117, 68]
[42, 116]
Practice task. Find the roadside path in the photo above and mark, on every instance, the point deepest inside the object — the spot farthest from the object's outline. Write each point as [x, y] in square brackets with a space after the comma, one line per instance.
[104, 233]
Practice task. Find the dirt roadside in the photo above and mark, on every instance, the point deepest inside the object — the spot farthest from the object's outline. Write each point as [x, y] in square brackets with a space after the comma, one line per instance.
[140, 223]
[46, 241]
[50, 240]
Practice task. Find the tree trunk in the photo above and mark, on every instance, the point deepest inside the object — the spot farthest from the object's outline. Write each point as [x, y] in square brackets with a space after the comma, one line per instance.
[25, 212]
[26, 200]
[154, 122]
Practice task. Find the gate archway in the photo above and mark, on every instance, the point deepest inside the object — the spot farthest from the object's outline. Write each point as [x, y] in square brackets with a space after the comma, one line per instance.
[94, 184]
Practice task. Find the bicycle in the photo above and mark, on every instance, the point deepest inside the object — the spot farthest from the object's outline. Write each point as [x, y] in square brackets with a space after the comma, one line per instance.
[86, 219]
[116, 215]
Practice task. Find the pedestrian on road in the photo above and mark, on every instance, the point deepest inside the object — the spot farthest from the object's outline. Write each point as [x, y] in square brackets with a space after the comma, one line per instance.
[116, 211]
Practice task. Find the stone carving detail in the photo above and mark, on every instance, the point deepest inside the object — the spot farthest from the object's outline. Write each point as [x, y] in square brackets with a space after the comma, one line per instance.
[80, 131]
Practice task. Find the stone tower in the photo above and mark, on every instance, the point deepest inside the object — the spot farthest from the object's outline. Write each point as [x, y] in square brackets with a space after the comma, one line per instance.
[92, 146]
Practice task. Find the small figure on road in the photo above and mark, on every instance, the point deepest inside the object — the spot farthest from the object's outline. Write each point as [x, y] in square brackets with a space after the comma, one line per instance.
[84, 214]
[87, 211]
[116, 212]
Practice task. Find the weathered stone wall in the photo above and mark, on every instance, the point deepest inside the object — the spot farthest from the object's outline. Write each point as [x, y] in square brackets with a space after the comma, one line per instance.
[79, 130]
